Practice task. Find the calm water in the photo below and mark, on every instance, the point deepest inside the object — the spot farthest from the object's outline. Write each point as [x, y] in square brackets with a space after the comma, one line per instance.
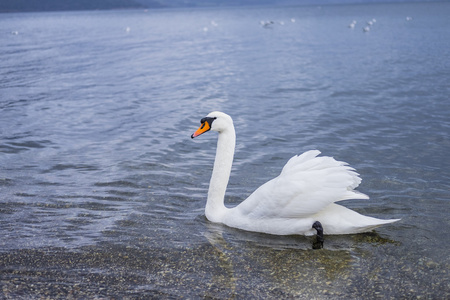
[102, 190]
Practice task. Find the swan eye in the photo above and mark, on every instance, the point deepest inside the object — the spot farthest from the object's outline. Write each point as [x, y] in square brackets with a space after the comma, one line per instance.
[207, 119]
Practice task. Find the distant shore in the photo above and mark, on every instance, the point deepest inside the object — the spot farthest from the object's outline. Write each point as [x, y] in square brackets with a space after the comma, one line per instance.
[9, 6]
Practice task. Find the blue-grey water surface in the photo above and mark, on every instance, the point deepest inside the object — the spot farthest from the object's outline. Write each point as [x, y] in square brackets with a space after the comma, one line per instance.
[102, 190]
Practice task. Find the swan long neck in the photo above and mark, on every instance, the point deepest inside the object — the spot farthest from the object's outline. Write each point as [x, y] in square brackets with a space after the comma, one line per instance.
[215, 207]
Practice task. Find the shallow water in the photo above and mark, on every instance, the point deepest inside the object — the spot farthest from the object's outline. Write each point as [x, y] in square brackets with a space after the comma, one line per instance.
[102, 190]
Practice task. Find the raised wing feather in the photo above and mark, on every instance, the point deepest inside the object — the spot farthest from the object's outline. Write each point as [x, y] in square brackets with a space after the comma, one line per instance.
[306, 185]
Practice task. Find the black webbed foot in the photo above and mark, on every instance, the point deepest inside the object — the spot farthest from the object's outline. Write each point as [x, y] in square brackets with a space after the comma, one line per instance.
[318, 243]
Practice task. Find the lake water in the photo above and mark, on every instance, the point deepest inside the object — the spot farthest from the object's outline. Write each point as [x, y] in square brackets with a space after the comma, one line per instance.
[102, 190]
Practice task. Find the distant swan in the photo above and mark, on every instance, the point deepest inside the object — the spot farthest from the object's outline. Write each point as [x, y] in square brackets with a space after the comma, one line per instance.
[298, 201]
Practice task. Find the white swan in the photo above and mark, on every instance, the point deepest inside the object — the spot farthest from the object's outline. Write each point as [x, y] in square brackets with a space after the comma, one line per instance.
[291, 203]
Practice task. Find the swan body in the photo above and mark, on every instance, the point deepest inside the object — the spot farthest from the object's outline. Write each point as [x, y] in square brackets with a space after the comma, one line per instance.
[305, 192]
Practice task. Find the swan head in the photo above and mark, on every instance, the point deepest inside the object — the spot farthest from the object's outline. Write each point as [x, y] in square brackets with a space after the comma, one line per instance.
[215, 121]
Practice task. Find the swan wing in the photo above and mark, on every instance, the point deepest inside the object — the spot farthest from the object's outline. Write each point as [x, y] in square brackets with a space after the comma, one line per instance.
[307, 184]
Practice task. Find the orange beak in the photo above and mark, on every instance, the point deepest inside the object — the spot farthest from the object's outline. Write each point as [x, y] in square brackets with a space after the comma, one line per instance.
[202, 129]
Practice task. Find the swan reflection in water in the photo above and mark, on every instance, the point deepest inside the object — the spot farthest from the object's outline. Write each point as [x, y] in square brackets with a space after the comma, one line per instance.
[285, 261]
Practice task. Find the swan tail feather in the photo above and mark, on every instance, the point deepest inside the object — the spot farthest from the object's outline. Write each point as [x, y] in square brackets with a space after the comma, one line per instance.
[377, 223]
[337, 219]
